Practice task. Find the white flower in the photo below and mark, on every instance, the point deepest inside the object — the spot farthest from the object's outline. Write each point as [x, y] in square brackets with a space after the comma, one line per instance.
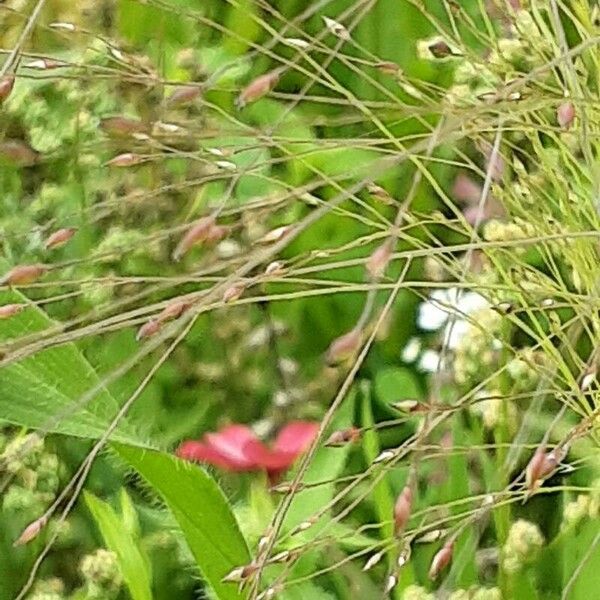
[410, 352]
[443, 303]
[429, 361]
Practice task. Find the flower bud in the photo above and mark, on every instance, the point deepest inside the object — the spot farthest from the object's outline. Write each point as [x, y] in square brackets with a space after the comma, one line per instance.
[7, 83]
[565, 115]
[379, 259]
[199, 232]
[258, 87]
[441, 560]
[59, 238]
[402, 509]
[31, 531]
[343, 437]
[148, 329]
[183, 95]
[343, 347]
[127, 159]
[10, 310]
[23, 274]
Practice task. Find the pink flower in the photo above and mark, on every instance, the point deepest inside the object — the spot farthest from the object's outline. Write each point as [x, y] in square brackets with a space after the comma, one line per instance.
[236, 448]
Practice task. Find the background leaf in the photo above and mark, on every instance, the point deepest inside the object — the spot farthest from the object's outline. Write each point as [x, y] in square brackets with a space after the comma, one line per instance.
[201, 510]
[134, 566]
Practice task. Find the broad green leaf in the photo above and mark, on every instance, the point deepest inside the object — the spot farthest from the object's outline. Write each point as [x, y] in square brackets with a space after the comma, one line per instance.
[134, 567]
[396, 383]
[44, 390]
[201, 510]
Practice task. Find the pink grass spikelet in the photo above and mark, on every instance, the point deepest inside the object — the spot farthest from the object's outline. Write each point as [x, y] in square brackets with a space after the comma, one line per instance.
[10, 310]
[233, 293]
[23, 274]
[148, 329]
[275, 235]
[258, 88]
[121, 126]
[378, 261]
[441, 560]
[198, 233]
[565, 115]
[173, 310]
[31, 531]
[343, 437]
[127, 159]
[343, 348]
[7, 83]
[184, 95]
[59, 238]
[402, 509]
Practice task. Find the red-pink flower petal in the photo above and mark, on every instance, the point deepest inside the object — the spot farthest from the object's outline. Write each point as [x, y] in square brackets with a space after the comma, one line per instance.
[232, 442]
[296, 437]
[199, 452]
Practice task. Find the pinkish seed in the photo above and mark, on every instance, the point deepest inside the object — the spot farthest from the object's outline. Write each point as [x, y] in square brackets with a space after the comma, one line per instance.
[59, 238]
[441, 560]
[127, 159]
[258, 88]
[233, 293]
[31, 531]
[343, 347]
[378, 261]
[148, 329]
[275, 235]
[199, 232]
[343, 437]
[121, 126]
[173, 310]
[183, 95]
[10, 310]
[23, 274]
[402, 509]
[565, 114]
[6, 86]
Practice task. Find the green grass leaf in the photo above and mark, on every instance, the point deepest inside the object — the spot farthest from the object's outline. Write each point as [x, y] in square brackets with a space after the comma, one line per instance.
[134, 566]
[201, 510]
[42, 391]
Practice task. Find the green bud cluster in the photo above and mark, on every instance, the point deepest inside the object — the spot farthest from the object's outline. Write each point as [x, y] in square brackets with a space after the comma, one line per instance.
[522, 546]
[101, 574]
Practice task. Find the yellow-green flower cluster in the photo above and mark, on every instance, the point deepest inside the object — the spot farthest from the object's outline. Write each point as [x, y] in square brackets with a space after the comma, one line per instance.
[522, 546]
[102, 576]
